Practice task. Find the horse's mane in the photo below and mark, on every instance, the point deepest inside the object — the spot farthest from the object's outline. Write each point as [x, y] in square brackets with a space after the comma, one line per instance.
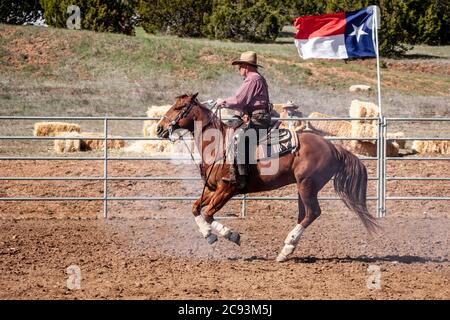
[210, 114]
[183, 96]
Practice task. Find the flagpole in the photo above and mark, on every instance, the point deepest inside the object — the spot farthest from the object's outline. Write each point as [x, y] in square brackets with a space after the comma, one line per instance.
[376, 27]
[381, 167]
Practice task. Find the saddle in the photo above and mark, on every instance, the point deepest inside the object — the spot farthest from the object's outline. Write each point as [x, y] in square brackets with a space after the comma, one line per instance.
[276, 143]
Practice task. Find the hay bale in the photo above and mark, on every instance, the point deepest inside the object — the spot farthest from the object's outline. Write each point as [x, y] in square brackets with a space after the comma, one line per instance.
[340, 128]
[155, 147]
[292, 124]
[160, 147]
[150, 147]
[364, 128]
[360, 88]
[278, 107]
[158, 111]
[354, 128]
[149, 129]
[93, 144]
[303, 127]
[399, 134]
[146, 127]
[392, 149]
[431, 147]
[67, 145]
[362, 148]
[52, 129]
[154, 112]
[363, 109]
[369, 149]
[74, 145]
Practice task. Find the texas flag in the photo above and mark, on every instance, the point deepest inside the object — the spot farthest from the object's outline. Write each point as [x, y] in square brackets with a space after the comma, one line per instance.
[336, 35]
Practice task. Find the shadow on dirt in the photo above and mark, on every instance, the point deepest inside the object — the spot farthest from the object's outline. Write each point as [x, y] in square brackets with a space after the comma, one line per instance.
[414, 56]
[407, 259]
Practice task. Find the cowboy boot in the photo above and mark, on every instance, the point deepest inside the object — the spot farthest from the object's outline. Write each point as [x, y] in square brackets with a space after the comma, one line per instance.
[242, 177]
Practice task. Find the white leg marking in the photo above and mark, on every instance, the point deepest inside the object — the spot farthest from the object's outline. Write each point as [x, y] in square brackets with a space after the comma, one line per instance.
[294, 236]
[203, 226]
[221, 229]
[290, 242]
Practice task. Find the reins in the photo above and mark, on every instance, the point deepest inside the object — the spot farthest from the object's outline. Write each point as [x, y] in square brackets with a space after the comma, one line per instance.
[215, 159]
[181, 115]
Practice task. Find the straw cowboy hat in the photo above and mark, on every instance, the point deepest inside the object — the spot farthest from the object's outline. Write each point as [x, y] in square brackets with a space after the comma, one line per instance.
[248, 57]
[290, 105]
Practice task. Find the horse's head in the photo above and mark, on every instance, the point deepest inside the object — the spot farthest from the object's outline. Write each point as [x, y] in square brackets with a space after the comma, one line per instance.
[180, 116]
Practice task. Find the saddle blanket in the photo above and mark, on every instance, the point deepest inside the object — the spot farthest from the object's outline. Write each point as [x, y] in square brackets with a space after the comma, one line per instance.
[277, 143]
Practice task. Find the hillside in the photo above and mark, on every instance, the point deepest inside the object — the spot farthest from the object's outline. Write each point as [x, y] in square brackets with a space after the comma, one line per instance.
[47, 71]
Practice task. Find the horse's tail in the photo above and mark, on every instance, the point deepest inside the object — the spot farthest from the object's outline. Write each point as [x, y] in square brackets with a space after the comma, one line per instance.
[350, 183]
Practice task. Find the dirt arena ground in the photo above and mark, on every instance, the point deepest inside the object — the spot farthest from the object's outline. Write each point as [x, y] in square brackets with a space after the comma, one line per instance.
[152, 249]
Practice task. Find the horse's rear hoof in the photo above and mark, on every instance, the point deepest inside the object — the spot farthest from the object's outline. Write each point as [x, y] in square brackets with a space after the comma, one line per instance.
[211, 238]
[235, 237]
[281, 258]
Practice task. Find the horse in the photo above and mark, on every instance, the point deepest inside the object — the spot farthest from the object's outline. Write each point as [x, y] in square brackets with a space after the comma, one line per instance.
[315, 163]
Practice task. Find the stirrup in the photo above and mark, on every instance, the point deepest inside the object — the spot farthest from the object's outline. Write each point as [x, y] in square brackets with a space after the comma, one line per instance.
[228, 180]
[240, 182]
[231, 179]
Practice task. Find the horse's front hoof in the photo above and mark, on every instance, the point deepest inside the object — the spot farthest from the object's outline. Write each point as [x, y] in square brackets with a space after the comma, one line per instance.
[211, 238]
[281, 258]
[235, 237]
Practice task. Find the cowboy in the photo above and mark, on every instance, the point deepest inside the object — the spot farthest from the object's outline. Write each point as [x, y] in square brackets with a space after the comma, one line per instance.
[290, 110]
[252, 101]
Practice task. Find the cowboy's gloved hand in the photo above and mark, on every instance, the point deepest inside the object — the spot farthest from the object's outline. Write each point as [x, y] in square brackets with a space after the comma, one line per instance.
[220, 103]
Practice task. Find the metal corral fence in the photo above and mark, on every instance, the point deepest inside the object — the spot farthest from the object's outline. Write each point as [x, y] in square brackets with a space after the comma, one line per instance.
[380, 176]
[384, 124]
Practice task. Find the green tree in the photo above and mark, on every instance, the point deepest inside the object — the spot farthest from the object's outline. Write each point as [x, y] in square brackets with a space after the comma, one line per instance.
[429, 26]
[394, 32]
[431, 23]
[443, 8]
[345, 5]
[291, 9]
[178, 17]
[116, 16]
[19, 11]
[246, 20]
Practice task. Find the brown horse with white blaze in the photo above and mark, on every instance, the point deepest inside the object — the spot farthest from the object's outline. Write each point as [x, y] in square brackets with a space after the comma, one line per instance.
[315, 163]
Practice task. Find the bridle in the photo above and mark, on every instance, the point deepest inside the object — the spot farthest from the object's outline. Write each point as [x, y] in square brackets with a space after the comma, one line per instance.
[183, 113]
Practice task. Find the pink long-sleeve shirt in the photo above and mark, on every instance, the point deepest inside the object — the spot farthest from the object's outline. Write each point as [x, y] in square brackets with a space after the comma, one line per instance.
[252, 95]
